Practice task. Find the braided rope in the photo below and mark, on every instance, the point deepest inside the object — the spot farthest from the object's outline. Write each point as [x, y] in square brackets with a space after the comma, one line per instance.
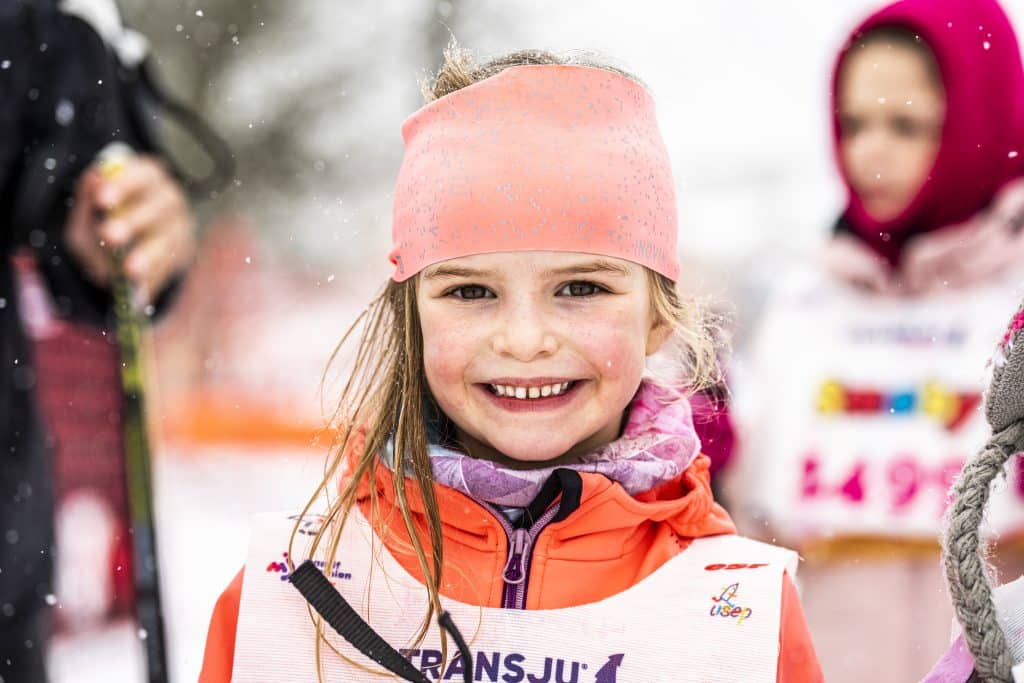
[965, 565]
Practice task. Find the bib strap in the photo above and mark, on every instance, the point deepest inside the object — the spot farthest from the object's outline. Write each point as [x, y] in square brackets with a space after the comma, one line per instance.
[336, 611]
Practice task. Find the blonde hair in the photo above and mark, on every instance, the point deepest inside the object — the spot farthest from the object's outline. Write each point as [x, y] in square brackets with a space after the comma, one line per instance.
[386, 394]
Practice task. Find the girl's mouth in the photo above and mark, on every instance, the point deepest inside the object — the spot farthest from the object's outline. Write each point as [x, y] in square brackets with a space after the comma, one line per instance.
[538, 396]
[527, 393]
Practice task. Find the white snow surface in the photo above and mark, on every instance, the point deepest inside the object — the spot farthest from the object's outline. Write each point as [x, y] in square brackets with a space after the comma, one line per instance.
[204, 502]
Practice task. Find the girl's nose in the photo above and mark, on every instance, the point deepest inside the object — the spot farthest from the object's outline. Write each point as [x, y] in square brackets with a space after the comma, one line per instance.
[871, 153]
[525, 335]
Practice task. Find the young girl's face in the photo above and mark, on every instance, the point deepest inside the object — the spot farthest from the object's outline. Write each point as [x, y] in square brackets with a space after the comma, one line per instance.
[891, 111]
[534, 356]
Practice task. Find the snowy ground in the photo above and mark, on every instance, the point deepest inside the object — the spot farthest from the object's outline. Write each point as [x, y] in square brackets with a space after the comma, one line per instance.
[205, 500]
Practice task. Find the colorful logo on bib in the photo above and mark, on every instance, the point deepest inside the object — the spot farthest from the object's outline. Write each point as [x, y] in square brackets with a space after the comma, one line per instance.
[727, 605]
[513, 667]
[950, 408]
[282, 568]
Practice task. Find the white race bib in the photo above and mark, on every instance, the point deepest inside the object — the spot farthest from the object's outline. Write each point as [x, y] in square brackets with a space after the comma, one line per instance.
[867, 408]
[712, 613]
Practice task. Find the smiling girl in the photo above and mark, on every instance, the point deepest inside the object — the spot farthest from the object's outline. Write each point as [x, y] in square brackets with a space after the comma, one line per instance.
[523, 458]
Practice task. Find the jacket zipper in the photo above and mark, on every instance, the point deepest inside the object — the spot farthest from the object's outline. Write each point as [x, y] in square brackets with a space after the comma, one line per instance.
[516, 573]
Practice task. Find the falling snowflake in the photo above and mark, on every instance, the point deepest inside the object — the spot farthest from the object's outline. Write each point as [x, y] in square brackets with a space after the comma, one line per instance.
[65, 112]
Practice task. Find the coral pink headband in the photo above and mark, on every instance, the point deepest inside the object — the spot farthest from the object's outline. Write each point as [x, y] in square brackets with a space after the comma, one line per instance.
[546, 158]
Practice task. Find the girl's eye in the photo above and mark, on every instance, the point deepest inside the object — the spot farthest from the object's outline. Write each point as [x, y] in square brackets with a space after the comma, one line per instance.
[470, 292]
[850, 125]
[907, 127]
[580, 289]
[904, 127]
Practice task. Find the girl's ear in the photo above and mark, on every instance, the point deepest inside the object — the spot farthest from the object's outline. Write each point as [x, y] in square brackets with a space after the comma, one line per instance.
[657, 336]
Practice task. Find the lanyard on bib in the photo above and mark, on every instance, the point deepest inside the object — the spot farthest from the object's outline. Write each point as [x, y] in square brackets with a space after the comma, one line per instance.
[336, 611]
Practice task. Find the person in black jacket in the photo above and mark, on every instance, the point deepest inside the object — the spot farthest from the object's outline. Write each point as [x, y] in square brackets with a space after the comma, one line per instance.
[65, 94]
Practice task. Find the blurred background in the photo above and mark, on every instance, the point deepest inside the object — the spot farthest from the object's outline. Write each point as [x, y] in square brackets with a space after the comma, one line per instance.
[311, 95]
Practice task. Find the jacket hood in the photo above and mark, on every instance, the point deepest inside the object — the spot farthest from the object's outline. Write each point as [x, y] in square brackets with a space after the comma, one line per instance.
[979, 61]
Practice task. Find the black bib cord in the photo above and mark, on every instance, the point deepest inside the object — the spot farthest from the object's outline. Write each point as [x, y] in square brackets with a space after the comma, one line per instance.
[336, 611]
[445, 620]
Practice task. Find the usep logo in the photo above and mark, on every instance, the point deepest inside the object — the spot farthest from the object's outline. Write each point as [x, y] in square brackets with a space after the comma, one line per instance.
[727, 604]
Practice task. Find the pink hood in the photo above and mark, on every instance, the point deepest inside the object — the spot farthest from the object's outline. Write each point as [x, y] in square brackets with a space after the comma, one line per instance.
[982, 143]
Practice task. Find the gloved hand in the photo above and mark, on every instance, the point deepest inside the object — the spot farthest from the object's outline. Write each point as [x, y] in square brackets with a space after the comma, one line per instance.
[141, 209]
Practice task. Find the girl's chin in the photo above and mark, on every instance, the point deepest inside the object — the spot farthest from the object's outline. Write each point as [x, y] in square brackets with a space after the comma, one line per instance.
[884, 211]
[518, 457]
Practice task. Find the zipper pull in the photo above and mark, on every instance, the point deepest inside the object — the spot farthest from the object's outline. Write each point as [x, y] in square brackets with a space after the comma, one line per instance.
[515, 569]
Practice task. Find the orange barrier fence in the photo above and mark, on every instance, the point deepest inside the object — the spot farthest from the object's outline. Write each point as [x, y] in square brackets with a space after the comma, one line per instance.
[225, 419]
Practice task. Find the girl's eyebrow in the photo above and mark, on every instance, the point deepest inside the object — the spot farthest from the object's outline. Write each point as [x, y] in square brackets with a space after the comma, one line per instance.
[443, 272]
[446, 272]
[598, 266]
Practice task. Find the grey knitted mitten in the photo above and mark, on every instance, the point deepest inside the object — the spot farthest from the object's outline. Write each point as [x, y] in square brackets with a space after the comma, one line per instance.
[1004, 403]
[965, 566]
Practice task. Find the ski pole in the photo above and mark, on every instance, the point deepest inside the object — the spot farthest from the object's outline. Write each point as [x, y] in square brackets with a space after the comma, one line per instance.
[138, 470]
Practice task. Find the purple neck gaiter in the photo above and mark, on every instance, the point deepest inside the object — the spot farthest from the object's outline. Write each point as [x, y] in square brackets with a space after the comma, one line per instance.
[657, 444]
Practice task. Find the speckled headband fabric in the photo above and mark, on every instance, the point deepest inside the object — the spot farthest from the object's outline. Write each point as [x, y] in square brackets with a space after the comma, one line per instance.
[545, 158]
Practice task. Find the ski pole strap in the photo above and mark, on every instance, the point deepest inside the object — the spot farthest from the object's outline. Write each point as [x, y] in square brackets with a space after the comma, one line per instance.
[445, 620]
[221, 157]
[336, 611]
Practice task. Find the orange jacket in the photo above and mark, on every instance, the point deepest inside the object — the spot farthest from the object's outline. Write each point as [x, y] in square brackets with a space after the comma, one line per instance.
[611, 541]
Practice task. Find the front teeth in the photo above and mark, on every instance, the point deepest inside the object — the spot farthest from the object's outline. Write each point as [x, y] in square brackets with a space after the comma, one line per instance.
[530, 392]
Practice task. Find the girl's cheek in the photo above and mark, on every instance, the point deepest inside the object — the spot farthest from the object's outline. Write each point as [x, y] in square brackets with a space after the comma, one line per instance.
[446, 357]
[616, 353]
[442, 333]
[441, 355]
[623, 364]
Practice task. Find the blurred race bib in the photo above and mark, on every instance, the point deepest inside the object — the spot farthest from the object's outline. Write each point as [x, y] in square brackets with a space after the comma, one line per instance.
[867, 408]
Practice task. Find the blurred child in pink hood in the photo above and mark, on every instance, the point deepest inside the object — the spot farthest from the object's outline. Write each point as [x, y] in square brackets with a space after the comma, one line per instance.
[862, 438]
